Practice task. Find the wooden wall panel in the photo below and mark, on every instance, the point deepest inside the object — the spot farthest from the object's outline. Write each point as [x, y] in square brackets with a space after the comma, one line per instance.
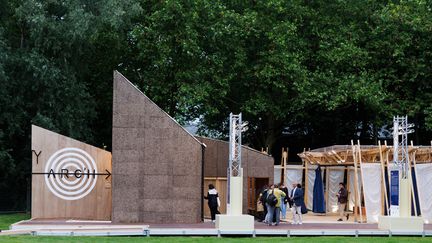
[96, 204]
[221, 186]
[255, 164]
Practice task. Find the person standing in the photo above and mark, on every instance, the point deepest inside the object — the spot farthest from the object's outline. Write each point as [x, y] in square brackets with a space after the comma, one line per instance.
[263, 197]
[269, 205]
[274, 203]
[297, 202]
[213, 201]
[342, 196]
[284, 201]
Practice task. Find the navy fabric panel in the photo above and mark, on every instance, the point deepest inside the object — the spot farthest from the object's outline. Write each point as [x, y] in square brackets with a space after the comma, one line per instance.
[386, 180]
[417, 201]
[318, 193]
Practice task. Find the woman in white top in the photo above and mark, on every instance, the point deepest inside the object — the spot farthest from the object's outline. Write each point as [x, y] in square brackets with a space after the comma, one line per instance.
[213, 201]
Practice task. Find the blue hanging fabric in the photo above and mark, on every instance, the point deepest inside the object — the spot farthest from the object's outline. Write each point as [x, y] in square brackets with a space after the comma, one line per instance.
[417, 201]
[387, 185]
[318, 193]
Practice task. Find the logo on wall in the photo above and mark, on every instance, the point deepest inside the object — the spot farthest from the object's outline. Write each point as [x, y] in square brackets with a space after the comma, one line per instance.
[71, 173]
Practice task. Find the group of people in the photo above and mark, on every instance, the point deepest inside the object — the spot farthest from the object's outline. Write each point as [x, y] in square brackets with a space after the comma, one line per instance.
[274, 200]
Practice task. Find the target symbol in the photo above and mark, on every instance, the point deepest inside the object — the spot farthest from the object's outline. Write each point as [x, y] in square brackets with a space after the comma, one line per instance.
[71, 173]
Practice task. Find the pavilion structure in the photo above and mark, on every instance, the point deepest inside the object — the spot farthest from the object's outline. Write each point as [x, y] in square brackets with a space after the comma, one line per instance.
[370, 166]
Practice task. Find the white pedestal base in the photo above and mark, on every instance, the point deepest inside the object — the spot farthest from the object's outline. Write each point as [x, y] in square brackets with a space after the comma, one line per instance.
[408, 224]
[234, 222]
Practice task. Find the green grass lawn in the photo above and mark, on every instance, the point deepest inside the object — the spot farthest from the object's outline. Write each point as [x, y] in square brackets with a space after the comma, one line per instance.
[8, 219]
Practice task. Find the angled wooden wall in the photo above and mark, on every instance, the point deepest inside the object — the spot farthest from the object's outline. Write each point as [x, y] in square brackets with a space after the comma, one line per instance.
[156, 162]
[96, 204]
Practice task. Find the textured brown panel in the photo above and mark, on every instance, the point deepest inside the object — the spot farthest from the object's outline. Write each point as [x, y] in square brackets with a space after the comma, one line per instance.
[156, 163]
[254, 163]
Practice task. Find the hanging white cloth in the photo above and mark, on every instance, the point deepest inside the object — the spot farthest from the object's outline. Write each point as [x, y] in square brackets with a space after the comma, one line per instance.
[294, 174]
[424, 187]
[372, 180]
[310, 177]
[336, 176]
[351, 190]
[277, 174]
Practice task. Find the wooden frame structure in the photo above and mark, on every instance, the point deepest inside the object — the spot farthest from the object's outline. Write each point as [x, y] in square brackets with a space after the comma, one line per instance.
[355, 155]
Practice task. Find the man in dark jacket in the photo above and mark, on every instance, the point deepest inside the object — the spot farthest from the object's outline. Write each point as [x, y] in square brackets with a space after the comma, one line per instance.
[297, 202]
[263, 199]
[342, 196]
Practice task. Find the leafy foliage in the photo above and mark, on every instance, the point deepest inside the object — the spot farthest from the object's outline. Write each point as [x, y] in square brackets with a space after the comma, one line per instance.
[303, 73]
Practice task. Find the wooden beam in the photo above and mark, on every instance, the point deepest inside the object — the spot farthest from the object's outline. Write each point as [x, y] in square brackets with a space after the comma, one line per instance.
[284, 159]
[430, 154]
[306, 198]
[348, 185]
[360, 162]
[340, 160]
[327, 189]
[388, 164]
[384, 186]
[356, 189]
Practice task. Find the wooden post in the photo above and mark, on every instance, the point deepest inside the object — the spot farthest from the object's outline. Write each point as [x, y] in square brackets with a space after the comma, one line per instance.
[383, 177]
[347, 186]
[360, 189]
[284, 164]
[356, 189]
[306, 198]
[327, 189]
[430, 153]
[387, 163]
[282, 167]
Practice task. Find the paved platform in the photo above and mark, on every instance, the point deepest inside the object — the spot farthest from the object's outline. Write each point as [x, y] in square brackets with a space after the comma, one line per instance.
[312, 226]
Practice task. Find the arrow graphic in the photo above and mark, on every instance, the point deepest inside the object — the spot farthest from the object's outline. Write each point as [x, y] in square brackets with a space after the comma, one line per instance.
[77, 173]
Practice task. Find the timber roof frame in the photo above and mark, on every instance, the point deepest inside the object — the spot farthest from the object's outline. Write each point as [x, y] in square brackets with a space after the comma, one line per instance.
[342, 155]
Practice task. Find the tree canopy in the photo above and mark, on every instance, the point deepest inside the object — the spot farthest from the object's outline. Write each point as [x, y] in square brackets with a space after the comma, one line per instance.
[303, 73]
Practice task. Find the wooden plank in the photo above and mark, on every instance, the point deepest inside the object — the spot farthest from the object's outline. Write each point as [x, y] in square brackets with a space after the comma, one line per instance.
[356, 189]
[383, 178]
[56, 201]
[222, 185]
[306, 198]
[387, 160]
[248, 188]
[348, 186]
[327, 188]
[362, 188]
[252, 201]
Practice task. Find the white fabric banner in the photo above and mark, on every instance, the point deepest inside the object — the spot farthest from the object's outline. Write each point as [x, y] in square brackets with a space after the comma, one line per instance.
[372, 190]
[351, 190]
[293, 174]
[310, 177]
[336, 176]
[424, 187]
[277, 174]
